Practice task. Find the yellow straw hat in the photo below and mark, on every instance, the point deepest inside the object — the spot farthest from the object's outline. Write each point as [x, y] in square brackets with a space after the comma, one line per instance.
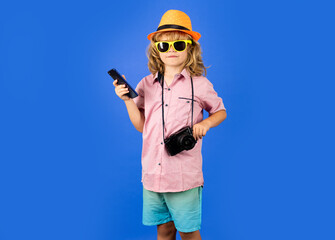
[175, 20]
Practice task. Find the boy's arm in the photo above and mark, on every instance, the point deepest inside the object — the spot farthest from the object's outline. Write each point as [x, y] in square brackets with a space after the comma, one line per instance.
[135, 115]
[215, 119]
[200, 129]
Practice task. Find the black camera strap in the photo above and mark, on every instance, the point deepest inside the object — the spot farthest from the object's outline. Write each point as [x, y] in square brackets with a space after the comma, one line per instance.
[161, 81]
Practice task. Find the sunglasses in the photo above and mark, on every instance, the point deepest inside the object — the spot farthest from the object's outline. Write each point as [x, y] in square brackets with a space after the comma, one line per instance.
[178, 45]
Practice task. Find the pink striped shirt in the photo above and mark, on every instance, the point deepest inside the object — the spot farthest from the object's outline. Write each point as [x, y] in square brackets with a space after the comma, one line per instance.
[160, 171]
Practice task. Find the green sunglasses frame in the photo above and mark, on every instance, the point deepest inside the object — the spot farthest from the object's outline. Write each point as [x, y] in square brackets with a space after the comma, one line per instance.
[172, 43]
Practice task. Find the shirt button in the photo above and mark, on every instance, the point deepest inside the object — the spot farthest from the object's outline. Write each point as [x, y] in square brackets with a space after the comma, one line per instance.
[161, 142]
[166, 105]
[159, 163]
[169, 89]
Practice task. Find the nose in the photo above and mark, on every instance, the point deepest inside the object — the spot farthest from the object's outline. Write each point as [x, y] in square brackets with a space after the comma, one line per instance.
[171, 49]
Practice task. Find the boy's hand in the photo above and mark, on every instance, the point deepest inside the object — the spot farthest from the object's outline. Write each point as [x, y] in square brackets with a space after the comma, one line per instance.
[121, 90]
[199, 130]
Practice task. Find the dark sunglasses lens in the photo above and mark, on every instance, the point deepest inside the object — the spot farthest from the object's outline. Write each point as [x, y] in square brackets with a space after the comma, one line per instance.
[179, 46]
[163, 46]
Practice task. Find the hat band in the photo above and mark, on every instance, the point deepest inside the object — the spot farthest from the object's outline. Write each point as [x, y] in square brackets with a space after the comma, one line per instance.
[172, 26]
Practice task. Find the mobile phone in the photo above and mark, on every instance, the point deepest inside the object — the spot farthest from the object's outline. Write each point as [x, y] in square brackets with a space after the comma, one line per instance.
[120, 80]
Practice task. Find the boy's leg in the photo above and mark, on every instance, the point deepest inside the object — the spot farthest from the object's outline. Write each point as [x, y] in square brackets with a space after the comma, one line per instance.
[166, 231]
[155, 212]
[185, 209]
[190, 235]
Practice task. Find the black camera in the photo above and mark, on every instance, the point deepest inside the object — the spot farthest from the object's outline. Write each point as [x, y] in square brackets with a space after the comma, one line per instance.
[181, 140]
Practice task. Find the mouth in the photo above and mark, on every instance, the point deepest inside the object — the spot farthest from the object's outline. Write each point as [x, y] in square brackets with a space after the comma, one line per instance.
[172, 56]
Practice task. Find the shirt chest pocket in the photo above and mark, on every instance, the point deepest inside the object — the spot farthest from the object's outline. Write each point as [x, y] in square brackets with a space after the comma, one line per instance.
[184, 110]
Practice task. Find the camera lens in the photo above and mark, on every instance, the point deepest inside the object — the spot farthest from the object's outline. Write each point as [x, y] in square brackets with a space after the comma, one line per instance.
[188, 143]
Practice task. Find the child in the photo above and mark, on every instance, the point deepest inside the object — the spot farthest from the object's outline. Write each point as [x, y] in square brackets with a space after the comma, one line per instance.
[172, 185]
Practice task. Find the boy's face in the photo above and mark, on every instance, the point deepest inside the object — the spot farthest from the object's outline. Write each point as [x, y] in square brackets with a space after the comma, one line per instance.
[172, 57]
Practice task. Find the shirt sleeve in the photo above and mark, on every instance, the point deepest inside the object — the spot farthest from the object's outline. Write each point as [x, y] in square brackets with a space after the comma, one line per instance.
[139, 100]
[210, 100]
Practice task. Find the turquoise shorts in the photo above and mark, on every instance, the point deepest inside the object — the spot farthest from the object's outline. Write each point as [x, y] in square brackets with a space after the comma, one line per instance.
[184, 208]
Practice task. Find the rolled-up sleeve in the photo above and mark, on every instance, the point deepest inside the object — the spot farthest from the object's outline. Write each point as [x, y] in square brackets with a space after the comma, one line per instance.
[139, 100]
[210, 100]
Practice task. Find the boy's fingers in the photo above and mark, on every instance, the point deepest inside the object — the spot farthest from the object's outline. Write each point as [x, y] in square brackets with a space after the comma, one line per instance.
[121, 87]
[195, 133]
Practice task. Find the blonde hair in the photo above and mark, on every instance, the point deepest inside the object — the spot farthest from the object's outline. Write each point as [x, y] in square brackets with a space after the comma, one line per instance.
[193, 63]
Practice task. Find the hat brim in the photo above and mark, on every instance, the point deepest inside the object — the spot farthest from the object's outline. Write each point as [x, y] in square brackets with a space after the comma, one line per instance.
[195, 35]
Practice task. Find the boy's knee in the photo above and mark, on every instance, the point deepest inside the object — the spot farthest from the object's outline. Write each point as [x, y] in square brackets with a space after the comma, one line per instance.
[166, 229]
[190, 235]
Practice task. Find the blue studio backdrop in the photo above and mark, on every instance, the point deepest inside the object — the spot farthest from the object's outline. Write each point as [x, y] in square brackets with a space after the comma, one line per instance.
[70, 158]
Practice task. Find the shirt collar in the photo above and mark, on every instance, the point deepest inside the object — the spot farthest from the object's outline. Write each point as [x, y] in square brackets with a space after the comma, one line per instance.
[185, 73]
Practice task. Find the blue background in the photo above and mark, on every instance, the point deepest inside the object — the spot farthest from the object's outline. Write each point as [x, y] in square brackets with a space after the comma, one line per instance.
[71, 159]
